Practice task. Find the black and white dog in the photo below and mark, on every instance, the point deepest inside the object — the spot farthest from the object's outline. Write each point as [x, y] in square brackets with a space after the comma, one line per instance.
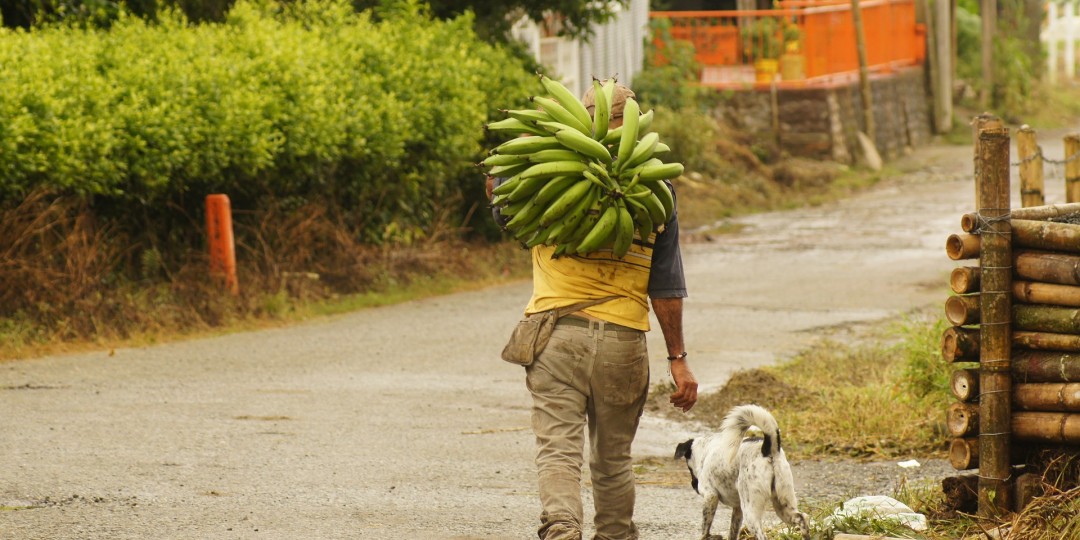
[743, 474]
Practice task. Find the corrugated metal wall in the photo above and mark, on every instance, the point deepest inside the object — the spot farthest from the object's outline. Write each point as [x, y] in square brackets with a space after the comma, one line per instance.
[616, 47]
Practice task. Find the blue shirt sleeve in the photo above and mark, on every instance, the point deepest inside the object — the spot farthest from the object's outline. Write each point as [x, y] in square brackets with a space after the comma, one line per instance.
[666, 278]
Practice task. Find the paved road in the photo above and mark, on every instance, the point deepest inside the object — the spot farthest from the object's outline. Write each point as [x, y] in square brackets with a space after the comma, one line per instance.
[401, 422]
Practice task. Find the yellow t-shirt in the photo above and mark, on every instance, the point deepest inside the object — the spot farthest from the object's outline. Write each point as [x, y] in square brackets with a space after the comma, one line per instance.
[571, 279]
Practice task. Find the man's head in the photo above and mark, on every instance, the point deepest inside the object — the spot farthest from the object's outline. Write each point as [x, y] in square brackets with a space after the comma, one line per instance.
[618, 101]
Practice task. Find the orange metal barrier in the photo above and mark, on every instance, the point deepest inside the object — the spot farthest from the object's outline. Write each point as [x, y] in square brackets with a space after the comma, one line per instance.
[219, 229]
[819, 35]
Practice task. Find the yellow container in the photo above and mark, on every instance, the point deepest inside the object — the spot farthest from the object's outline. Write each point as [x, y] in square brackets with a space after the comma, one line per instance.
[765, 70]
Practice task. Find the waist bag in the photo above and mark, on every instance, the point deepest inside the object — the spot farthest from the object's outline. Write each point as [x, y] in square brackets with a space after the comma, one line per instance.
[532, 333]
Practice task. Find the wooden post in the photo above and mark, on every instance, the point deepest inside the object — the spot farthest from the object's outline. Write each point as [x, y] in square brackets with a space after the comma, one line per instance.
[864, 73]
[1046, 341]
[1072, 167]
[1046, 235]
[219, 231]
[979, 123]
[988, 14]
[1031, 168]
[995, 382]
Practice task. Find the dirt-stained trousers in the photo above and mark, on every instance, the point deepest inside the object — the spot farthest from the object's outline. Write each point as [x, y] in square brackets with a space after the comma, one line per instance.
[597, 376]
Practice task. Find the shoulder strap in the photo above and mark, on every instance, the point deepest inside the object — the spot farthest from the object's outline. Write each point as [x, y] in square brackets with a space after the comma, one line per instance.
[563, 311]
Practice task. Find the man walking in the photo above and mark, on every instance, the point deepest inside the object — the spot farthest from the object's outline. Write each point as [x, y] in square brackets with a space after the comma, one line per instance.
[595, 368]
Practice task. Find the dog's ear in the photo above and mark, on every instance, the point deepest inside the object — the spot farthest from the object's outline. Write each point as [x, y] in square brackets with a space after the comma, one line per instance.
[683, 449]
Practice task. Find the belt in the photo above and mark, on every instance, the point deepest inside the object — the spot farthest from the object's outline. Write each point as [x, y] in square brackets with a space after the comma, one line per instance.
[571, 320]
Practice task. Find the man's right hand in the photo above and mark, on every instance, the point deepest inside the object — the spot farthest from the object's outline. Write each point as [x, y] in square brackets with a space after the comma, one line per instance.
[489, 184]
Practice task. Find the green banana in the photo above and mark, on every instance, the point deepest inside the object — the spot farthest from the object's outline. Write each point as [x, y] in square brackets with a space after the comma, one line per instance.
[515, 126]
[553, 127]
[558, 154]
[662, 192]
[583, 144]
[527, 145]
[507, 171]
[560, 114]
[601, 233]
[512, 209]
[568, 100]
[601, 111]
[594, 179]
[645, 122]
[565, 201]
[661, 148]
[665, 171]
[507, 187]
[528, 115]
[609, 90]
[500, 160]
[643, 150]
[624, 230]
[526, 188]
[526, 220]
[629, 133]
[588, 221]
[613, 136]
[576, 214]
[642, 218]
[555, 188]
[630, 172]
[652, 204]
[554, 168]
[540, 236]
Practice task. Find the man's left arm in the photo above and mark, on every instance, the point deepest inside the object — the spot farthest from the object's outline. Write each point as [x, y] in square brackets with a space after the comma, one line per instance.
[667, 288]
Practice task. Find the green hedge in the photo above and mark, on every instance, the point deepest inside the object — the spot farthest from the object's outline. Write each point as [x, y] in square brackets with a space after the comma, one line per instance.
[312, 102]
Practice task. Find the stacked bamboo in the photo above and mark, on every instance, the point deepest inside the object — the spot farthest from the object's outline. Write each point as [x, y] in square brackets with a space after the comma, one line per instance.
[1015, 337]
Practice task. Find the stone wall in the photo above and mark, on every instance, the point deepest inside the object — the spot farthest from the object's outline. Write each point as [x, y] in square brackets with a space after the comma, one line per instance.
[823, 122]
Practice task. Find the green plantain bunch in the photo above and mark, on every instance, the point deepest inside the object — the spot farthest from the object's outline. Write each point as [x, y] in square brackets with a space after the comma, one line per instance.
[575, 184]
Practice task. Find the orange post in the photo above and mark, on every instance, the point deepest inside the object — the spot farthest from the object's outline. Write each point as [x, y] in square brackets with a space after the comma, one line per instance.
[219, 231]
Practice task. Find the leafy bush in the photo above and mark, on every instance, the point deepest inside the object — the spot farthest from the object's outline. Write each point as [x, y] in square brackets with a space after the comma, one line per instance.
[311, 101]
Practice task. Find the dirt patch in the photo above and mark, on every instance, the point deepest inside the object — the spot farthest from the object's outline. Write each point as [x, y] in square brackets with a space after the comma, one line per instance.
[747, 386]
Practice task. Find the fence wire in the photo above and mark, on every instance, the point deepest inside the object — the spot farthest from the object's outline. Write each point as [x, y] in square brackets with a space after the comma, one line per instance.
[1039, 155]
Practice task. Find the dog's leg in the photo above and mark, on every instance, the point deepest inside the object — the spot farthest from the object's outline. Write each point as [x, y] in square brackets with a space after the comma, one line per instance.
[708, 512]
[736, 523]
[753, 505]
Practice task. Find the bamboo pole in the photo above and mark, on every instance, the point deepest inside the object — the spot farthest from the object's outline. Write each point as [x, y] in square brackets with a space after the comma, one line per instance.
[964, 453]
[1058, 268]
[1047, 397]
[1031, 168]
[995, 259]
[988, 17]
[1033, 292]
[1047, 427]
[962, 419]
[960, 344]
[969, 222]
[965, 384]
[1051, 319]
[962, 246]
[1045, 341]
[979, 123]
[1072, 167]
[1045, 366]
[1046, 235]
[962, 310]
[964, 279]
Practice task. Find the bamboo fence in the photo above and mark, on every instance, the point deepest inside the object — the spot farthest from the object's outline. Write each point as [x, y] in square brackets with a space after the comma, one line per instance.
[1015, 335]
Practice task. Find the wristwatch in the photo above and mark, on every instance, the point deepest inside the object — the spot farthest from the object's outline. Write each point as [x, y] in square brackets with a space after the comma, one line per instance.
[679, 356]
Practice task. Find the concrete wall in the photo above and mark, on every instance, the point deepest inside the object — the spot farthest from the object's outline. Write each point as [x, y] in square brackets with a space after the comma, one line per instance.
[822, 123]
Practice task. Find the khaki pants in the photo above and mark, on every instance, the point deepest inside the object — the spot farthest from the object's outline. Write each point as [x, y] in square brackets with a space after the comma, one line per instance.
[600, 377]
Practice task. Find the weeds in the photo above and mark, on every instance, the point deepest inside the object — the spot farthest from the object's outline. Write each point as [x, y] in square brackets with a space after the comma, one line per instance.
[831, 398]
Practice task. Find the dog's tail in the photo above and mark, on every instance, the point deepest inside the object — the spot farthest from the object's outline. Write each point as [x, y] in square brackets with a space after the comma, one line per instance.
[739, 420]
